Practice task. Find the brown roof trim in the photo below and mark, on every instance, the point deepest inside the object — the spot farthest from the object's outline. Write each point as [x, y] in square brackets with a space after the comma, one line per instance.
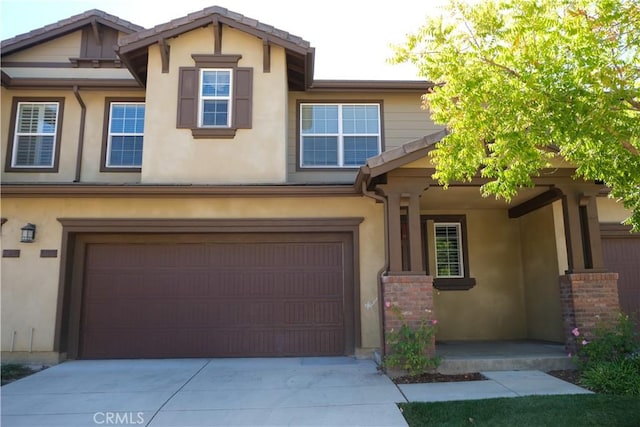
[66, 26]
[141, 190]
[206, 17]
[392, 159]
[28, 83]
[369, 85]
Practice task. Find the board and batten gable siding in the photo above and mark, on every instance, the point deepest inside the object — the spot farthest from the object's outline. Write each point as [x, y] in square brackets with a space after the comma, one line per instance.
[403, 120]
[253, 156]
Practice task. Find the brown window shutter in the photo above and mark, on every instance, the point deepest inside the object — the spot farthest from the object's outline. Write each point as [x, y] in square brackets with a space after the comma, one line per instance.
[242, 98]
[187, 98]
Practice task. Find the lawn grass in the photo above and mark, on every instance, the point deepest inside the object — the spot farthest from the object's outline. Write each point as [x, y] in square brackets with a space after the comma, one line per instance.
[563, 410]
[14, 371]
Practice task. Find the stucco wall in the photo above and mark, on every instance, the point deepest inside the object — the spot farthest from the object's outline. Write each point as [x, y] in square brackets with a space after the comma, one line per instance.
[255, 155]
[59, 49]
[495, 308]
[609, 210]
[541, 280]
[90, 171]
[403, 120]
[30, 283]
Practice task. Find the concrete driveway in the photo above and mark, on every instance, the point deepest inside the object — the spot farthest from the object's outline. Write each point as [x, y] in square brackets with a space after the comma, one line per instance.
[331, 391]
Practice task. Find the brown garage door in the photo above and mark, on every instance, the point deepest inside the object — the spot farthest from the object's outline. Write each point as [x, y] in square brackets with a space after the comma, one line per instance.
[235, 295]
[622, 255]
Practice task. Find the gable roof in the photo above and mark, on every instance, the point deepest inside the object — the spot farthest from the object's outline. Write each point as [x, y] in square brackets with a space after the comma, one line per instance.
[299, 53]
[399, 156]
[66, 26]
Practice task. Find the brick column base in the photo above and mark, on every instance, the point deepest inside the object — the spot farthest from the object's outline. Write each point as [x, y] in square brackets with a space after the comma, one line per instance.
[414, 296]
[588, 299]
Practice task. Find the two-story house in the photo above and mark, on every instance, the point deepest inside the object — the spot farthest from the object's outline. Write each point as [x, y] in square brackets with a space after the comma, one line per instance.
[190, 190]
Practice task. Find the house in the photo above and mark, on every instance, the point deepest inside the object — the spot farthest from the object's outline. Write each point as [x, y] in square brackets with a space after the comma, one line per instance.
[190, 190]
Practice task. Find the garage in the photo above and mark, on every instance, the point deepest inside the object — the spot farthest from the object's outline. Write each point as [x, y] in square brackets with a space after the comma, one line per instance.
[216, 295]
[621, 252]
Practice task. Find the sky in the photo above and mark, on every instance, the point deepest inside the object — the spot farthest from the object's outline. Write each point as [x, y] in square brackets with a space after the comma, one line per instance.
[352, 38]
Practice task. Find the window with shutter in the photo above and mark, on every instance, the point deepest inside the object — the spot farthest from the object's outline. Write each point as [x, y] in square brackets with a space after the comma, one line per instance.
[35, 135]
[215, 96]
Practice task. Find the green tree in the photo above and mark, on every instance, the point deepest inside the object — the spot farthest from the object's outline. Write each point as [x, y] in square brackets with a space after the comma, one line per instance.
[521, 80]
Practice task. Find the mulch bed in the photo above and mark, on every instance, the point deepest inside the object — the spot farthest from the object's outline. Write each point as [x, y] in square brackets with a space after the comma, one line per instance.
[438, 378]
[570, 375]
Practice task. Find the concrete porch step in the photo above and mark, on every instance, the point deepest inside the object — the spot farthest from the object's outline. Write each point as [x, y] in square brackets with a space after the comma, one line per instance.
[471, 356]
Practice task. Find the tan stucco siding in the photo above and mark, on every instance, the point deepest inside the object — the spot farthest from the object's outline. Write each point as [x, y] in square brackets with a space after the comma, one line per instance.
[403, 120]
[495, 308]
[540, 269]
[611, 211]
[59, 49]
[255, 155]
[30, 283]
[71, 121]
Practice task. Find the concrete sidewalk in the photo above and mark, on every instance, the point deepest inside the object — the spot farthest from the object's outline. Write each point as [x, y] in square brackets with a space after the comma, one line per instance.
[499, 384]
[323, 391]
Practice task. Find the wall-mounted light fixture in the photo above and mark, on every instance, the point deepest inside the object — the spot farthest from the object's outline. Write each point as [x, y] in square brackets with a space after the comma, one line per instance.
[28, 233]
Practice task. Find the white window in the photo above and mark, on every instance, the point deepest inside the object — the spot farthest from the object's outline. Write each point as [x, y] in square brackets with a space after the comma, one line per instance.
[215, 98]
[448, 250]
[126, 134]
[34, 143]
[338, 135]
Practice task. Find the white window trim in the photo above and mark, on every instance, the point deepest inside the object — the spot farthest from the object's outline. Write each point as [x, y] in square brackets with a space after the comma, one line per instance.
[202, 98]
[340, 135]
[111, 134]
[18, 134]
[461, 261]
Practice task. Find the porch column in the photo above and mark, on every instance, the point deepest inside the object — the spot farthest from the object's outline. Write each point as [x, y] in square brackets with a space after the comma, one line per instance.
[404, 192]
[409, 300]
[589, 294]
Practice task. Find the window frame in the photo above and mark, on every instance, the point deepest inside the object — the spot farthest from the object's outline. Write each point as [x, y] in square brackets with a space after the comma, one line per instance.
[464, 282]
[189, 90]
[202, 98]
[106, 134]
[461, 259]
[342, 102]
[12, 143]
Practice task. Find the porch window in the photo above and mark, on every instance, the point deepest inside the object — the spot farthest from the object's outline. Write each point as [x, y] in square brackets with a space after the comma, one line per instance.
[448, 250]
[338, 135]
[446, 255]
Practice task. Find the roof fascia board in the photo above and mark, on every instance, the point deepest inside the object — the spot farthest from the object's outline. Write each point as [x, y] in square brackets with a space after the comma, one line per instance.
[59, 32]
[23, 190]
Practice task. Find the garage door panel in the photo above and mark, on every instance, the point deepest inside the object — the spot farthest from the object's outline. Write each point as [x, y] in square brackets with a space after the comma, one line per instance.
[622, 255]
[234, 297]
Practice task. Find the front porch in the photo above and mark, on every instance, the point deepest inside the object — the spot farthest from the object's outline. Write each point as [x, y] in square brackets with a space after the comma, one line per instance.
[490, 272]
[460, 357]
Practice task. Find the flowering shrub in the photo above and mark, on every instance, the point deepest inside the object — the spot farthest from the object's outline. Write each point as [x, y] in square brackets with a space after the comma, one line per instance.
[610, 362]
[407, 346]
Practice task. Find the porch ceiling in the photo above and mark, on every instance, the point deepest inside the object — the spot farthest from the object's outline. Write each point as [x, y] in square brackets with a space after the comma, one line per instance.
[469, 197]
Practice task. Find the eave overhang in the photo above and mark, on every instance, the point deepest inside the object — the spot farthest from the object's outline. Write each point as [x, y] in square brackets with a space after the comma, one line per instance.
[26, 190]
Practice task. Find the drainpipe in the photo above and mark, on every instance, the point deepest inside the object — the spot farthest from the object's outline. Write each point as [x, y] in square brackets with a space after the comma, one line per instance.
[385, 268]
[83, 116]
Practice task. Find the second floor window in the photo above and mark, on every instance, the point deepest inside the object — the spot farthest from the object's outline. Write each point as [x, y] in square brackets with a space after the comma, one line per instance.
[35, 135]
[338, 135]
[215, 98]
[126, 134]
